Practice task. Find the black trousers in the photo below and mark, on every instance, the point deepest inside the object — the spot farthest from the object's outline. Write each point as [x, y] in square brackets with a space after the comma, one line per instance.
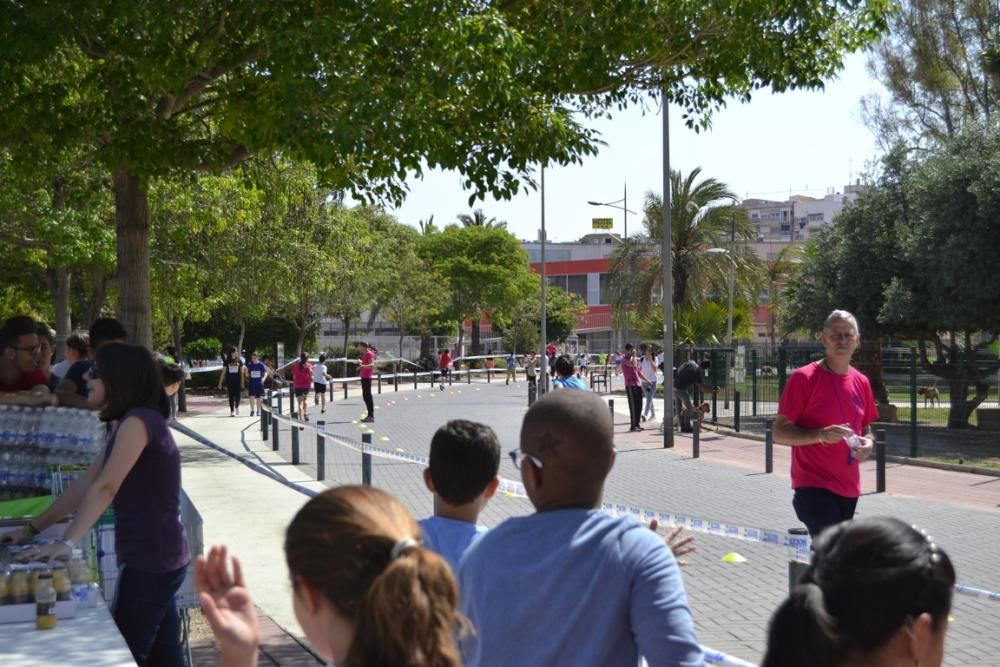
[234, 391]
[821, 508]
[634, 404]
[366, 394]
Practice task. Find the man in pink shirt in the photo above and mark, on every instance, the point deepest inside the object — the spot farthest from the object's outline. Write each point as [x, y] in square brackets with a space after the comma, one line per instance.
[825, 415]
[367, 370]
[633, 385]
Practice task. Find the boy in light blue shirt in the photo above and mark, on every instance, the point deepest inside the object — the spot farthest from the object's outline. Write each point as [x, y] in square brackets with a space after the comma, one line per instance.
[565, 377]
[462, 475]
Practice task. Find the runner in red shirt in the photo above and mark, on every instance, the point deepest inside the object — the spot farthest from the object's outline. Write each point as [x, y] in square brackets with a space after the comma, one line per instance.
[445, 364]
[302, 381]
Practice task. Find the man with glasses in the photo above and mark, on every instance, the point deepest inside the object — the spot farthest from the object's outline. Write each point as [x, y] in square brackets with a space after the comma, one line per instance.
[22, 381]
[825, 416]
[570, 585]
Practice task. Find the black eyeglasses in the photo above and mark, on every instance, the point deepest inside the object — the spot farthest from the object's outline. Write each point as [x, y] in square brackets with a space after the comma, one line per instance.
[35, 349]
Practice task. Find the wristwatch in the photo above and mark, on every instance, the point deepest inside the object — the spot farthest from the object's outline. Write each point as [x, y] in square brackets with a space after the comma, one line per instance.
[68, 543]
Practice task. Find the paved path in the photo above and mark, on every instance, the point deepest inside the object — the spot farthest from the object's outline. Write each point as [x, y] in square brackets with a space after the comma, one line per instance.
[731, 603]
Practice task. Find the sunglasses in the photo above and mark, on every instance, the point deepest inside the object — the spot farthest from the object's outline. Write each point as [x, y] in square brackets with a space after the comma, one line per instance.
[518, 457]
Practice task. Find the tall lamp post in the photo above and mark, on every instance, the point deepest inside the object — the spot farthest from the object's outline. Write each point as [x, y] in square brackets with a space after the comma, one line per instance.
[666, 280]
[544, 384]
[615, 204]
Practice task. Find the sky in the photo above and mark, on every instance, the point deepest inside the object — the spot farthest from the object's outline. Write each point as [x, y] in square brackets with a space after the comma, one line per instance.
[800, 142]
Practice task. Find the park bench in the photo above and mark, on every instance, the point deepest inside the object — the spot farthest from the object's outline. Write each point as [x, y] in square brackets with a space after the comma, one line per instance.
[599, 377]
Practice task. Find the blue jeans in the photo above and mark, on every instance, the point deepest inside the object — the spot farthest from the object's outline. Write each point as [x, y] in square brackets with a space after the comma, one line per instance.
[649, 391]
[146, 615]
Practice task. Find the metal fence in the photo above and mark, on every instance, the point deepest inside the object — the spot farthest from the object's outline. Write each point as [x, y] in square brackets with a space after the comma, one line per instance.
[922, 413]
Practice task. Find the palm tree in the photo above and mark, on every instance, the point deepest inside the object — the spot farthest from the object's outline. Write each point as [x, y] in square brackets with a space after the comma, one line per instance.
[778, 273]
[427, 226]
[479, 219]
[703, 216]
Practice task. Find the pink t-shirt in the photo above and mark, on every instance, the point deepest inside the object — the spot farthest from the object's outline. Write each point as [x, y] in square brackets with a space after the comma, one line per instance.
[302, 375]
[816, 398]
[367, 358]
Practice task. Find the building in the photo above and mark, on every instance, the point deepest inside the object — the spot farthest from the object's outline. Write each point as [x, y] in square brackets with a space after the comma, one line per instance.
[582, 267]
[779, 224]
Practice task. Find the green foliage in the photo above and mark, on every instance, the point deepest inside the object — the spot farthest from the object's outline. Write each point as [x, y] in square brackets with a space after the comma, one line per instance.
[521, 328]
[935, 63]
[203, 348]
[703, 217]
[479, 219]
[704, 324]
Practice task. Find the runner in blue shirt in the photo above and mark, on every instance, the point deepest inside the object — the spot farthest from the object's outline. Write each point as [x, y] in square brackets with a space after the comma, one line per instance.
[564, 375]
[256, 373]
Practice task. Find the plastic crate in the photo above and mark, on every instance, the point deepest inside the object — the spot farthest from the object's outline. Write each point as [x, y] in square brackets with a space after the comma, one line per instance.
[104, 536]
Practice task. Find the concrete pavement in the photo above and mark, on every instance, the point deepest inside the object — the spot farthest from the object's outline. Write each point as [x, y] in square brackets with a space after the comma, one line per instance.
[731, 603]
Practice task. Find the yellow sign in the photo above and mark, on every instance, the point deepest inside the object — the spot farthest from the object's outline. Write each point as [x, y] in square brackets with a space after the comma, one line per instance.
[602, 223]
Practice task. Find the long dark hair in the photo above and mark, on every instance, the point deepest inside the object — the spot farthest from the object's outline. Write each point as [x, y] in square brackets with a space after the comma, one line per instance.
[868, 578]
[405, 609]
[132, 379]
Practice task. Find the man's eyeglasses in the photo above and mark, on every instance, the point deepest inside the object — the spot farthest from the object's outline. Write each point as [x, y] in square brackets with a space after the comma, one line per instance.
[36, 349]
[837, 337]
[518, 457]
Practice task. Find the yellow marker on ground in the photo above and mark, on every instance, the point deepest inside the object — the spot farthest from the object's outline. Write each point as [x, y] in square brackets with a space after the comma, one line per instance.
[383, 438]
[733, 557]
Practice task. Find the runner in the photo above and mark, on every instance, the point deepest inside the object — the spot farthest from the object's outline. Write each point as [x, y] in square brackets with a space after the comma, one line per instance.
[302, 374]
[445, 362]
[367, 370]
[256, 373]
[320, 380]
[232, 377]
[511, 368]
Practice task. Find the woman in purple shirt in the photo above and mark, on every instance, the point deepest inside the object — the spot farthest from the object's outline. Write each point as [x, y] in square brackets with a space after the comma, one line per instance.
[140, 472]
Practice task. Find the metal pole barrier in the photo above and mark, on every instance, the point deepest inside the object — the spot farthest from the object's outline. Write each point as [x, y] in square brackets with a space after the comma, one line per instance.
[274, 426]
[414, 379]
[468, 371]
[395, 376]
[331, 392]
[611, 409]
[451, 375]
[736, 411]
[366, 461]
[264, 414]
[913, 402]
[295, 436]
[380, 382]
[696, 439]
[796, 568]
[715, 383]
[880, 443]
[753, 382]
[320, 451]
[345, 390]
[769, 446]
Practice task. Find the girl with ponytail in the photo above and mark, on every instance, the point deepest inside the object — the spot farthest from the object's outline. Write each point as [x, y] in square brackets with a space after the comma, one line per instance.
[365, 592]
[877, 592]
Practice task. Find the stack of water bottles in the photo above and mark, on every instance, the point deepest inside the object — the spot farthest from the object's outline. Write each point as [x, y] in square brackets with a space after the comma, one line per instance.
[43, 449]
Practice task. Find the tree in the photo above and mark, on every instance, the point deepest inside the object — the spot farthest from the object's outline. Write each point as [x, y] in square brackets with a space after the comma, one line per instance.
[521, 327]
[935, 63]
[487, 88]
[419, 297]
[778, 273]
[479, 219]
[485, 268]
[703, 218]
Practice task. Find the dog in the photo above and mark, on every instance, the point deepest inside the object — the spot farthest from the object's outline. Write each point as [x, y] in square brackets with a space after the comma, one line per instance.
[930, 394]
[700, 412]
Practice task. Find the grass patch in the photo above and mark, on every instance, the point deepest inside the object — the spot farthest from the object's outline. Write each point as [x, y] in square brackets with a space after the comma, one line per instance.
[991, 462]
[929, 416]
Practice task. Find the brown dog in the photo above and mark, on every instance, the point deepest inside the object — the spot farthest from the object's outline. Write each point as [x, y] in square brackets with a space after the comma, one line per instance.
[929, 394]
[703, 410]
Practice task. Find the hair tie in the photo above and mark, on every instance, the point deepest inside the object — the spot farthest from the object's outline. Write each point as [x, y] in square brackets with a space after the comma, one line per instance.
[931, 545]
[402, 547]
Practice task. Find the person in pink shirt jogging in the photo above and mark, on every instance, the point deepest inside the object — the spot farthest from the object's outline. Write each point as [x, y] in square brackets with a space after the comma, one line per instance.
[367, 370]
[302, 381]
[825, 416]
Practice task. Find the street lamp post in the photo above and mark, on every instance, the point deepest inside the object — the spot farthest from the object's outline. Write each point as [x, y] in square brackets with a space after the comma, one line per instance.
[614, 204]
[543, 385]
[666, 280]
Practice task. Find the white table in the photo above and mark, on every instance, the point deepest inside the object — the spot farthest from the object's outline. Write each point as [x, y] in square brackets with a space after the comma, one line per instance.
[89, 638]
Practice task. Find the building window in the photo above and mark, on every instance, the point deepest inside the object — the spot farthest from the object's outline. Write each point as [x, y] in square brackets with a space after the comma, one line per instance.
[577, 285]
[605, 288]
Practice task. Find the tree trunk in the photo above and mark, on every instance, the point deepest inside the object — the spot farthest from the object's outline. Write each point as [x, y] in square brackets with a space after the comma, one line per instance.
[475, 336]
[59, 287]
[91, 303]
[869, 362]
[425, 347]
[461, 338]
[132, 227]
[347, 326]
[401, 343]
[243, 333]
